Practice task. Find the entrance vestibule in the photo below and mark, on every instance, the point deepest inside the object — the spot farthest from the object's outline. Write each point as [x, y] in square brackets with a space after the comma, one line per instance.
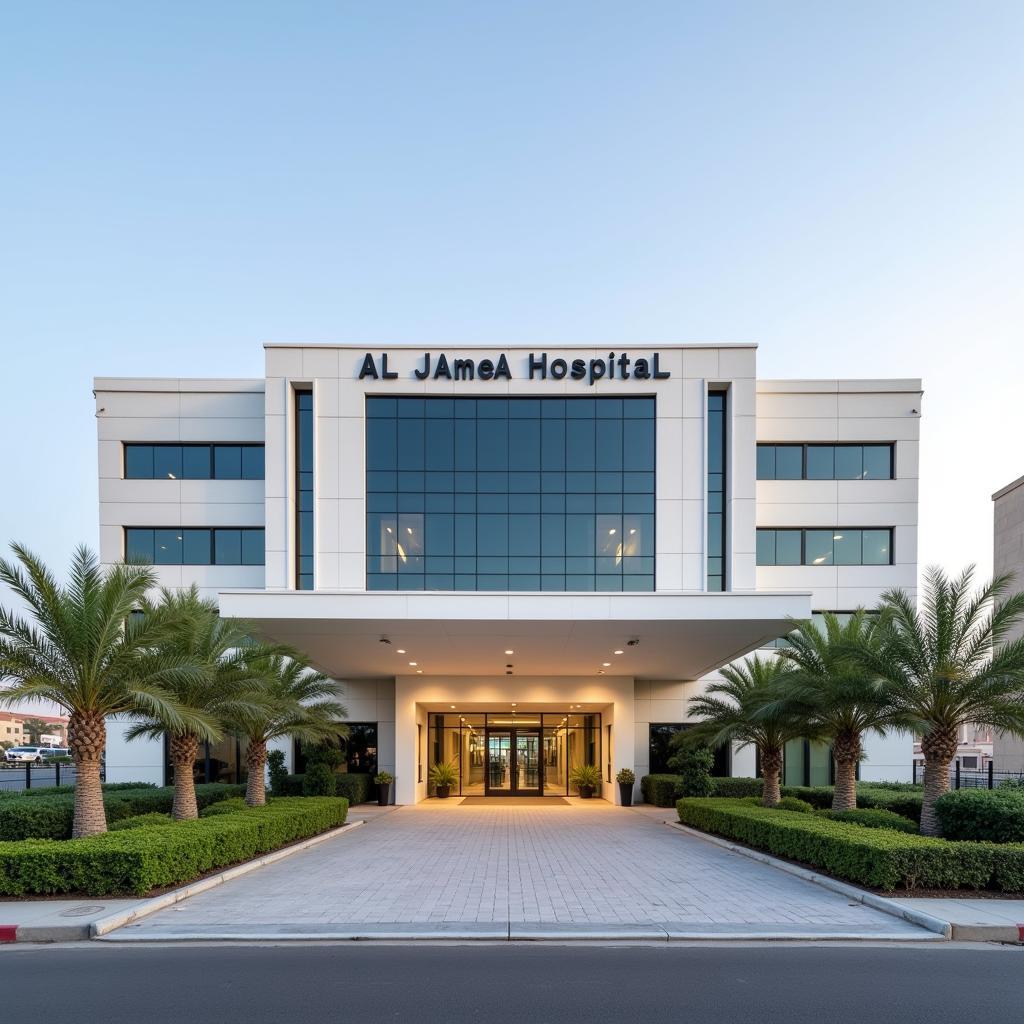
[502, 753]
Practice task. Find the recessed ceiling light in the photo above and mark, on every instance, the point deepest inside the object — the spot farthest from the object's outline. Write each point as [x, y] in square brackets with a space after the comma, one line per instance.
[452, 706]
[607, 664]
[514, 704]
[600, 671]
[413, 663]
[419, 671]
[618, 652]
[510, 652]
[401, 650]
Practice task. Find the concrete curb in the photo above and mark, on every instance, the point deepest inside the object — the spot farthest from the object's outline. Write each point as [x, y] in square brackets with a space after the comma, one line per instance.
[105, 925]
[851, 892]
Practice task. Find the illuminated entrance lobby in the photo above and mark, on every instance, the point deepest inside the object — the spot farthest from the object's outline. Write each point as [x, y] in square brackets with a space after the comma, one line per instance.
[514, 752]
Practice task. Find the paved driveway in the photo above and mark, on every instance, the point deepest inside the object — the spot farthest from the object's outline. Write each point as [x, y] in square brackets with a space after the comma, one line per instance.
[500, 872]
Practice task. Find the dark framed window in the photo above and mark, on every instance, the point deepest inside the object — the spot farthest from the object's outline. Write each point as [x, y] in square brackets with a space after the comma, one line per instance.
[304, 468]
[193, 461]
[359, 749]
[510, 493]
[834, 545]
[219, 545]
[717, 504]
[825, 461]
[661, 735]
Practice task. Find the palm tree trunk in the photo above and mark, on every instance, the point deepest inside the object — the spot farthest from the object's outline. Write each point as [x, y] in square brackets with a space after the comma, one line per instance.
[771, 768]
[846, 752]
[939, 749]
[256, 760]
[87, 736]
[183, 757]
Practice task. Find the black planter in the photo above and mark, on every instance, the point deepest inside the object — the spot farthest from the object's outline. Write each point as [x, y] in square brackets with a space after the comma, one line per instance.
[586, 792]
[442, 792]
[383, 793]
[626, 793]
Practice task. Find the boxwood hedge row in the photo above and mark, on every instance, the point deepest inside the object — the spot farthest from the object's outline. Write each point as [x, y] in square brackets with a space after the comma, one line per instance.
[51, 817]
[356, 787]
[979, 814]
[135, 861]
[880, 858]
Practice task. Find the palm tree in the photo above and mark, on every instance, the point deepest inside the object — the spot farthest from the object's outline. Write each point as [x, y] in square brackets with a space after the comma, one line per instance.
[950, 664]
[834, 694]
[295, 701]
[34, 728]
[743, 709]
[82, 648]
[222, 649]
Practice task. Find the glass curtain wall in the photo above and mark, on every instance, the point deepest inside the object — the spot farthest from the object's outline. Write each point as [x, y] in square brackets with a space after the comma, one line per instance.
[480, 748]
[510, 494]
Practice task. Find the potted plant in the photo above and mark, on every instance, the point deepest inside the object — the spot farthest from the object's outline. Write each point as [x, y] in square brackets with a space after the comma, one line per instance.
[383, 781]
[625, 778]
[443, 776]
[586, 778]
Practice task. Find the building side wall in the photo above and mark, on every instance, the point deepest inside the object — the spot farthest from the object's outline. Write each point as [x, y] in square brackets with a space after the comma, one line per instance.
[1008, 751]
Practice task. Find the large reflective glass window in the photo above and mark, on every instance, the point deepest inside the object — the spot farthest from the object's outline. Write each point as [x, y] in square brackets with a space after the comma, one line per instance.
[510, 493]
[878, 462]
[167, 462]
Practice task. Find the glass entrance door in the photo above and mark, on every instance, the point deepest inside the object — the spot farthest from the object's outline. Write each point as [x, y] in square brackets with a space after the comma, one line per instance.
[513, 762]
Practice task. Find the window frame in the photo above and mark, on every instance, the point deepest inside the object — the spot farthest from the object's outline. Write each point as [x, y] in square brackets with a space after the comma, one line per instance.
[211, 531]
[210, 446]
[831, 564]
[805, 445]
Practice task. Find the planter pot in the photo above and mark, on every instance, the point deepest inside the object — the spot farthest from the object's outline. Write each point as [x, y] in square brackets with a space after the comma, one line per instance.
[626, 793]
[586, 792]
[443, 791]
[383, 793]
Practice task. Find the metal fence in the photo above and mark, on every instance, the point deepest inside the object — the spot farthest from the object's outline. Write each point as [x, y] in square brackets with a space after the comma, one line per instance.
[16, 777]
[974, 778]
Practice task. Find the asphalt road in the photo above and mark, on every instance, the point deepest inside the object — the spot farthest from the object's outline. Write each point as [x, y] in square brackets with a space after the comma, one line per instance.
[531, 984]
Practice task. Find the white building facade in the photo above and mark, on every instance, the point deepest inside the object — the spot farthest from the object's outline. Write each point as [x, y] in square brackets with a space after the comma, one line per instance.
[516, 561]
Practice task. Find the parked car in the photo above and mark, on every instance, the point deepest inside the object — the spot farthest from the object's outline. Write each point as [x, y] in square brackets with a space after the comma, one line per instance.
[34, 754]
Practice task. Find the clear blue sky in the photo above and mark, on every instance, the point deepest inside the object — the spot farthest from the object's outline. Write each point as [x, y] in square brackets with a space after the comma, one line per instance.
[841, 183]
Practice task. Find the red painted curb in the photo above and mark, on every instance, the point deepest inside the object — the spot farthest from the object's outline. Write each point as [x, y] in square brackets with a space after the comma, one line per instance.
[8, 933]
[1020, 933]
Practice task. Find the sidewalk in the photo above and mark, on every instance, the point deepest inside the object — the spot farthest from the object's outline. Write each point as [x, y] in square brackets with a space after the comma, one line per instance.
[55, 920]
[975, 920]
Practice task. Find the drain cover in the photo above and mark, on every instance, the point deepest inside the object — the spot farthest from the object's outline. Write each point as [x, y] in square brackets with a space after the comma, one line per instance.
[81, 911]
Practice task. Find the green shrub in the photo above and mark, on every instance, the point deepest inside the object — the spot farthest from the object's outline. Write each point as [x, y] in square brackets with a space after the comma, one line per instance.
[738, 787]
[881, 858]
[319, 780]
[659, 790]
[792, 803]
[355, 787]
[1017, 783]
[906, 803]
[819, 797]
[278, 772]
[293, 784]
[982, 815]
[872, 817]
[693, 765]
[235, 804]
[134, 861]
[51, 817]
[141, 821]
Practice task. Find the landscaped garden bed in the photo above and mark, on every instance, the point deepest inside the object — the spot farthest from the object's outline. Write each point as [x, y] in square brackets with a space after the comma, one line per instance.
[876, 857]
[160, 853]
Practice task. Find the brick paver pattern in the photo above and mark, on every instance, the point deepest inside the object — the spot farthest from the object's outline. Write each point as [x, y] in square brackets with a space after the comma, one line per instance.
[584, 864]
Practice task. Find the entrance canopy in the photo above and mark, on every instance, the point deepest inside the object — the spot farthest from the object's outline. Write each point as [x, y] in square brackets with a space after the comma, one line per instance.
[381, 635]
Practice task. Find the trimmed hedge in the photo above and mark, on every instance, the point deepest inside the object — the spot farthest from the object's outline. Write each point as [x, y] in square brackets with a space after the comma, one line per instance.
[51, 817]
[356, 787]
[907, 804]
[659, 790]
[881, 858]
[230, 806]
[738, 786]
[991, 815]
[872, 817]
[135, 861]
[793, 803]
[141, 821]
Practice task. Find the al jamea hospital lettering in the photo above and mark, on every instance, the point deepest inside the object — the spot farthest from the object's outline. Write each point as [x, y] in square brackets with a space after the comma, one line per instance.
[617, 366]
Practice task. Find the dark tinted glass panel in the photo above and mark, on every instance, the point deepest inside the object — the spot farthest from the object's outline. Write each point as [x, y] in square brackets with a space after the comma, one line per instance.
[252, 462]
[227, 547]
[766, 547]
[196, 547]
[196, 461]
[877, 547]
[820, 462]
[717, 473]
[877, 462]
[837, 546]
[227, 462]
[252, 547]
[846, 547]
[787, 547]
[167, 462]
[304, 490]
[849, 461]
[138, 544]
[766, 462]
[498, 485]
[138, 461]
[789, 462]
[818, 547]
